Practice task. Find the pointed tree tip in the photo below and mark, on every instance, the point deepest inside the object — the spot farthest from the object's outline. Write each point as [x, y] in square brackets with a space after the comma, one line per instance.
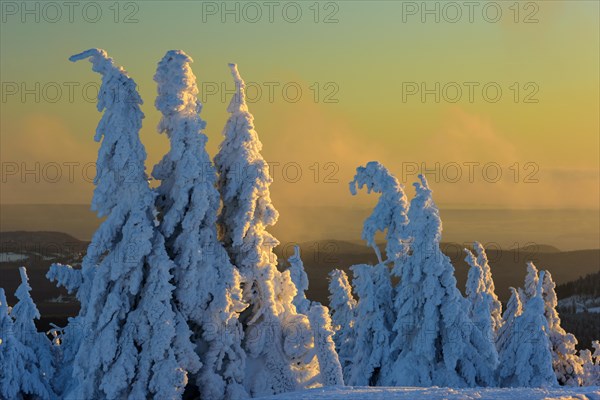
[236, 75]
[540, 285]
[23, 273]
[238, 101]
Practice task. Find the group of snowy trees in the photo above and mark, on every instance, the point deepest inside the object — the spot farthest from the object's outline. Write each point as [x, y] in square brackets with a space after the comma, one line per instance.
[422, 331]
[180, 290]
[179, 287]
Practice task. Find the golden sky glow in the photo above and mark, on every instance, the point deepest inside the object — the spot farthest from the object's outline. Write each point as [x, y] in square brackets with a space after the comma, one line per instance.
[542, 133]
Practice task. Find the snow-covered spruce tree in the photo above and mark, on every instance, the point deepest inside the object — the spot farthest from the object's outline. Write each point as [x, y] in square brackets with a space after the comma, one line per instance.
[526, 360]
[343, 316]
[439, 345]
[207, 290]
[531, 283]
[481, 302]
[389, 215]
[275, 334]
[591, 365]
[20, 372]
[494, 304]
[135, 345]
[566, 363]
[24, 314]
[330, 369]
[513, 310]
[300, 280]
[374, 320]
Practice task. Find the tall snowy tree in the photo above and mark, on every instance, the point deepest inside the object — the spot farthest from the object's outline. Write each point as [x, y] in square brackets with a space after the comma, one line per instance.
[300, 280]
[24, 314]
[494, 304]
[20, 372]
[389, 216]
[343, 317]
[135, 345]
[275, 334]
[480, 305]
[566, 363]
[330, 369]
[526, 360]
[207, 287]
[326, 357]
[438, 343]
[513, 310]
[374, 318]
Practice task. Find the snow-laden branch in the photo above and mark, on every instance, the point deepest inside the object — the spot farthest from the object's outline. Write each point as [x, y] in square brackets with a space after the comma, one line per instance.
[390, 212]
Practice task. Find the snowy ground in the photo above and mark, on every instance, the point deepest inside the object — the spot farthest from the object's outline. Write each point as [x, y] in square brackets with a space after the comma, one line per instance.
[408, 393]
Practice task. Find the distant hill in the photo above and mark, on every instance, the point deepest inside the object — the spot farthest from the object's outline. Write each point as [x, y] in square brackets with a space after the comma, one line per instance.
[38, 250]
[567, 229]
[508, 265]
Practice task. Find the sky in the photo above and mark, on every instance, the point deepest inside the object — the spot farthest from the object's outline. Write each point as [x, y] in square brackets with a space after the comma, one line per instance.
[496, 102]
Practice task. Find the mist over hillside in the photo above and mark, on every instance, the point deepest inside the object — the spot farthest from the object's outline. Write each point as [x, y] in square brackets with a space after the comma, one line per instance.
[564, 229]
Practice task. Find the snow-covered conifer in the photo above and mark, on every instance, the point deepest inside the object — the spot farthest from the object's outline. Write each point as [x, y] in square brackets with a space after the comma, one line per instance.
[531, 282]
[330, 370]
[206, 285]
[494, 305]
[480, 302]
[135, 345]
[300, 280]
[513, 310]
[24, 314]
[389, 215]
[566, 363]
[275, 335]
[526, 360]
[20, 371]
[374, 318]
[343, 316]
[437, 342]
